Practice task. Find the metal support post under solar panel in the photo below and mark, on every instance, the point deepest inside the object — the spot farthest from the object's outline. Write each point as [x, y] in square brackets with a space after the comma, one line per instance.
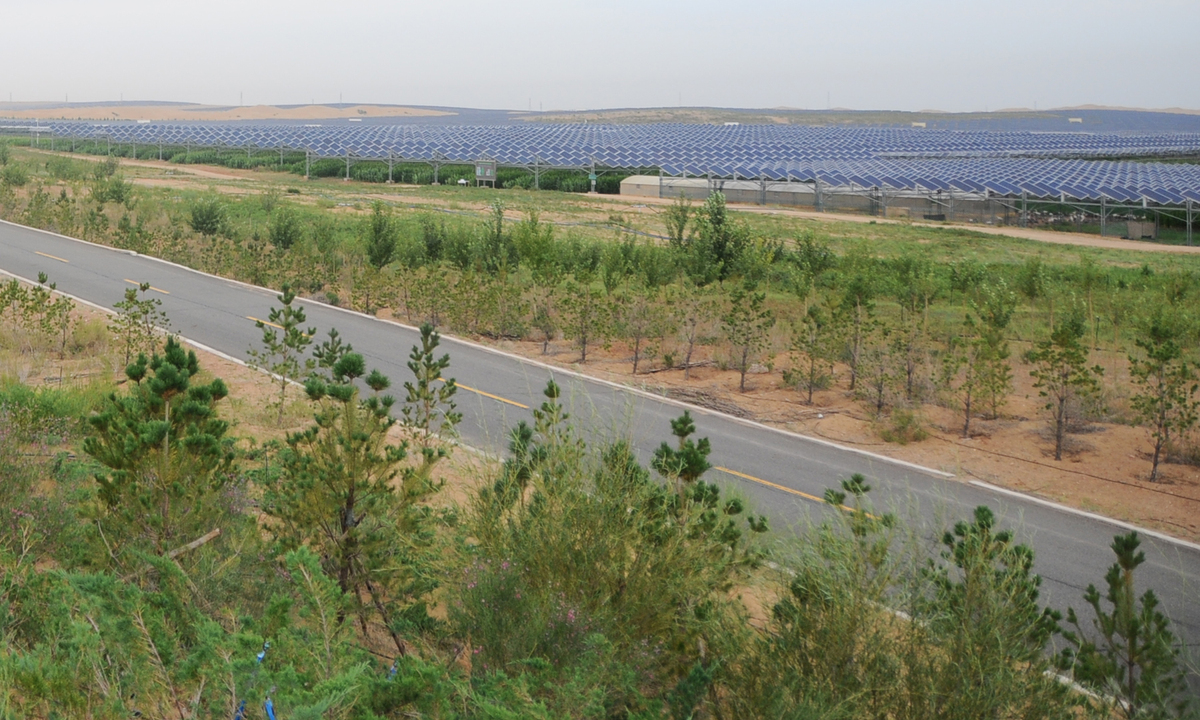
[1189, 223]
[1103, 215]
[391, 162]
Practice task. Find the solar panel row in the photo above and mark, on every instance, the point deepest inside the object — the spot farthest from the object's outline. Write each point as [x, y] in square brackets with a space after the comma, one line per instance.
[1006, 163]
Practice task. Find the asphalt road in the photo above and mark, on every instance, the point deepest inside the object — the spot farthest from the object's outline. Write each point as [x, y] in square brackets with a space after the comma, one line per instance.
[780, 473]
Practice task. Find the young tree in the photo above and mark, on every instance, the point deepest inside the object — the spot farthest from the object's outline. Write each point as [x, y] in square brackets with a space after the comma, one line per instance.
[1166, 397]
[549, 449]
[587, 316]
[328, 353]
[345, 493]
[962, 369]
[813, 338]
[692, 309]
[719, 242]
[687, 462]
[987, 620]
[877, 366]
[858, 302]
[284, 342]
[1034, 282]
[207, 215]
[430, 409]
[381, 236]
[1133, 660]
[746, 324]
[1090, 277]
[165, 453]
[534, 243]
[994, 304]
[370, 289]
[676, 217]
[138, 321]
[639, 314]
[499, 253]
[43, 314]
[543, 316]
[1062, 375]
[286, 228]
[915, 287]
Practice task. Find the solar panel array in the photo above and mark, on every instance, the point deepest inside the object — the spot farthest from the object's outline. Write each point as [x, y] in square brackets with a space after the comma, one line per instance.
[899, 159]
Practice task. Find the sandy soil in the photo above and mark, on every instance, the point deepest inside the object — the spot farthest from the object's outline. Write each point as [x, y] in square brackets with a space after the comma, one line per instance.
[1104, 470]
[186, 112]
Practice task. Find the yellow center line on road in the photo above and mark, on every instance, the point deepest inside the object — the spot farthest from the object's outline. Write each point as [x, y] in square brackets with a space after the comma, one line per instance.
[264, 322]
[770, 484]
[134, 282]
[497, 398]
[52, 257]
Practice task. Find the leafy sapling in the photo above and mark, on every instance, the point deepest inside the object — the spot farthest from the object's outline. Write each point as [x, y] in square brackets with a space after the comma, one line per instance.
[138, 321]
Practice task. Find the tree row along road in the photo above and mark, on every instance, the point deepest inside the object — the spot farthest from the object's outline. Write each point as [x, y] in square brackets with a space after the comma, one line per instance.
[782, 475]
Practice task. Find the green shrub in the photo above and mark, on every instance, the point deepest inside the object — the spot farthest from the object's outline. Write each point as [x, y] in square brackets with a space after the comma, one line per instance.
[89, 336]
[14, 174]
[286, 228]
[903, 427]
[62, 168]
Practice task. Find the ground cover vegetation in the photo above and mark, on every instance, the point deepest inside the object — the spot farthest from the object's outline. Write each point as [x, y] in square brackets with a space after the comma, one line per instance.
[900, 318]
[155, 563]
[369, 171]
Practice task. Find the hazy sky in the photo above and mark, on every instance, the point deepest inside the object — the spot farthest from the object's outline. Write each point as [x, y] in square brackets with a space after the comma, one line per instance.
[563, 54]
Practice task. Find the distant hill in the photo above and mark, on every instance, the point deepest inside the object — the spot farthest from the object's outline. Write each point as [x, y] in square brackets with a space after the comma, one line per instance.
[1170, 111]
[184, 112]
[1095, 118]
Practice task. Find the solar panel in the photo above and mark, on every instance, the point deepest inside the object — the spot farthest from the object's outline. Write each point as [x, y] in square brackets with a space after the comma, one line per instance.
[1005, 163]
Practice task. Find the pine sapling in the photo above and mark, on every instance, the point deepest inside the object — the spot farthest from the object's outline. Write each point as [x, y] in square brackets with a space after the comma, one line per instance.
[1132, 660]
[284, 343]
